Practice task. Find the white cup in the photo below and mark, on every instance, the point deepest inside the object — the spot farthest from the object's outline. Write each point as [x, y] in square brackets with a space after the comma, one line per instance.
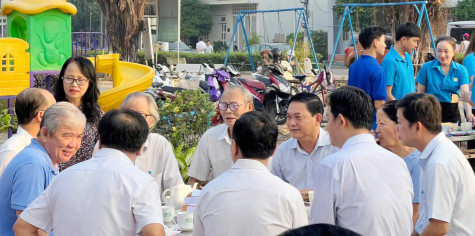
[466, 126]
[168, 213]
[185, 220]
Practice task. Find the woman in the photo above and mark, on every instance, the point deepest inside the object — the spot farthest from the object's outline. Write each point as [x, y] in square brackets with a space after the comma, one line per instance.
[445, 79]
[266, 61]
[386, 120]
[464, 44]
[77, 84]
[469, 61]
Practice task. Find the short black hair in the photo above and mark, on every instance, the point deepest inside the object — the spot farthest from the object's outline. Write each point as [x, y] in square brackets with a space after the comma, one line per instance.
[424, 108]
[370, 33]
[390, 109]
[313, 102]
[320, 230]
[27, 104]
[255, 133]
[408, 30]
[124, 130]
[354, 104]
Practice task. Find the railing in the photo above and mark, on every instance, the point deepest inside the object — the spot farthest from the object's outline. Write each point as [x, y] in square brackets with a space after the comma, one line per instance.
[84, 43]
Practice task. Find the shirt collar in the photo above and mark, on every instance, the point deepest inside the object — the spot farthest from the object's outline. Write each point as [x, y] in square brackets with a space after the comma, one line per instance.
[244, 163]
[360, 138]
[224, 134]
[432, 145]
[436, 65]
[36, 145]
[323, 140]
[398, 57]
[113, 153]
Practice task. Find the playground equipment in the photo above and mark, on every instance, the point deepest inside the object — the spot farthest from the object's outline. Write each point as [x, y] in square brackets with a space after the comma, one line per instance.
[422, 11]
[302, 18]
[41, 42]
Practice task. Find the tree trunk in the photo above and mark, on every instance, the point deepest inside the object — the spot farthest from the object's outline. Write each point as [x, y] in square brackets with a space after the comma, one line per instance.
[122, 20]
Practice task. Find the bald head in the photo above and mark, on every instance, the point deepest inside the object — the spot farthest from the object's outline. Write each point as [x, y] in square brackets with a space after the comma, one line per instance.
[31, 101]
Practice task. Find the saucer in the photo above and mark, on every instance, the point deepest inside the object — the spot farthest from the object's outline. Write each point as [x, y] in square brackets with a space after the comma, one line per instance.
[185, 230]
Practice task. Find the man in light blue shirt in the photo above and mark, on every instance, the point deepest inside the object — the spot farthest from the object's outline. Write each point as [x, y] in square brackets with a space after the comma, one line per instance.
[296, 160]
[397, 64]
[362, 187]
[31, 171]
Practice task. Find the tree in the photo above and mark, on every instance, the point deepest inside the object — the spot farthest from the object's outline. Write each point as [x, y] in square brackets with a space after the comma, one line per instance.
[465, 10]
[88, 18]
[195, 19]
[122, 20]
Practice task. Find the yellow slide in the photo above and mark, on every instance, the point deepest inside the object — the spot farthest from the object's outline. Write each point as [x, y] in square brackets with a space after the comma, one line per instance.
[127, 78]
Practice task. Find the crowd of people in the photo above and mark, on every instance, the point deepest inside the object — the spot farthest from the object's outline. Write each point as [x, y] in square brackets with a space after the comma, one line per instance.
[381, 166]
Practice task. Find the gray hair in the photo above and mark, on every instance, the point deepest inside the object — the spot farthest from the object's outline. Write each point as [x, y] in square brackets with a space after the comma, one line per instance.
[152, 105]
[62, 114]
[246, 93]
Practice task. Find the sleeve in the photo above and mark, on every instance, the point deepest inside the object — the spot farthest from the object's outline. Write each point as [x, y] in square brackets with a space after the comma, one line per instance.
[200, 164]
[440, 192]
[28, 183]
[276, 169]
[323, 206]
[379, 86]
[198, 227]
[469, 63]
[38, 213]
[147, 209]
[171, 173]
[416, 176]
[300, 213]
[463, 76]
[389, 69]
[422, 75]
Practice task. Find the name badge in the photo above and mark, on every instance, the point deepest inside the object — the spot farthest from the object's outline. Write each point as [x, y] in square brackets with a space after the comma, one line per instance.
[456, 79]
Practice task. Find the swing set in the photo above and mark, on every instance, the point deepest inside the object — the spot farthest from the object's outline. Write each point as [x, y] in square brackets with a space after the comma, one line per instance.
[302, 19]
[422, 11]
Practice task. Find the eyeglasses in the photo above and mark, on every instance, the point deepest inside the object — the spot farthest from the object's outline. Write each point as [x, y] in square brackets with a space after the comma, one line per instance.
[224, 106]
[79, 81]
[145, 115]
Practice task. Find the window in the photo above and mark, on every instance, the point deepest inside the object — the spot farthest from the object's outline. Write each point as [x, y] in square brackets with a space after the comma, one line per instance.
[150, 8]
[244, 7]
[8, 63]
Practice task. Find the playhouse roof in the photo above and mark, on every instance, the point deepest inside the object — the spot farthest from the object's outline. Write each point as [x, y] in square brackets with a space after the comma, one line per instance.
[32, 7]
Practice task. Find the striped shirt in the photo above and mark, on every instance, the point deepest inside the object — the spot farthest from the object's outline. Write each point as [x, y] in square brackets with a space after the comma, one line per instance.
[364, 188]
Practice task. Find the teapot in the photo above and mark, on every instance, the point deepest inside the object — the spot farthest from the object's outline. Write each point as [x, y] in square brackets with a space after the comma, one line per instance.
[176, 196]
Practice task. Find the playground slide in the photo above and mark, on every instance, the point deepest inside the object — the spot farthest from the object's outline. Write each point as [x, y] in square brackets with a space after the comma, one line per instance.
[127, 78]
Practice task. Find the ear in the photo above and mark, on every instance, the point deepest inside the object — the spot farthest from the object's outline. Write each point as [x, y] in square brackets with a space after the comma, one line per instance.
[318, 118]
[342, 121]
[418, 127]
[250, 106]
[99, 145]
[43, 133]
[138, 153]
[39, 116]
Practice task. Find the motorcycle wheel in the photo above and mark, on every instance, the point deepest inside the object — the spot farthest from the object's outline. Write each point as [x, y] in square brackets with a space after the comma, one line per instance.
[271, 109]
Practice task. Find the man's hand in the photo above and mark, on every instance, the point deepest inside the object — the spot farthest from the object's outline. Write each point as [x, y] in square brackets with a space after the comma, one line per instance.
[304, 193]
[192, 180]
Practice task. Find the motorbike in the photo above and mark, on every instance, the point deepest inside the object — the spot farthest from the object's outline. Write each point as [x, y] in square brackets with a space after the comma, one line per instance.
[255, 87]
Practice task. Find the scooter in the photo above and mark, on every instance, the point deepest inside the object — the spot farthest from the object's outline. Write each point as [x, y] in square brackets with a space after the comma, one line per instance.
[255, 87]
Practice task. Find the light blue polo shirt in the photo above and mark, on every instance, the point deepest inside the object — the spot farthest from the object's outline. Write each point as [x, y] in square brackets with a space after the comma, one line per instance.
[412, 162]
[440, 85]
[399, 73]
[25, 177]
[469, 63]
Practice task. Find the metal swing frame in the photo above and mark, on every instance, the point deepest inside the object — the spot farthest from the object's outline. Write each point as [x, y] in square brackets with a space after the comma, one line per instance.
[422, 11]
[240, 20]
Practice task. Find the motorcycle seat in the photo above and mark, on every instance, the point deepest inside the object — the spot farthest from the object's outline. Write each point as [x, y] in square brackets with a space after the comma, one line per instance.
[264, 80]
[252, 83]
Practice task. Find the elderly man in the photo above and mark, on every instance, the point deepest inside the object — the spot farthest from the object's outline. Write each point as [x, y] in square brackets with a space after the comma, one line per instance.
[106, 195]
[447, 183]
[212, 156]
[247, 199]
[30, 105]
[296, 160]
[32, 170]
[362, 187]
[156, 158]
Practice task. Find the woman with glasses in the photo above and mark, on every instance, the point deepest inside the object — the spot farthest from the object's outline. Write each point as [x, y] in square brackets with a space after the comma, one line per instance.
[77, 84]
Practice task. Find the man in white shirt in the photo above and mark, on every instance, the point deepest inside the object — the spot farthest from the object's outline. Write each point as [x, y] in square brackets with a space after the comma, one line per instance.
[362, 187]
[209, 47]
[30, 104]
[447, 184]
[201, 46]
[247, 199]
[106, 195]
[296, 160]
[212, 156]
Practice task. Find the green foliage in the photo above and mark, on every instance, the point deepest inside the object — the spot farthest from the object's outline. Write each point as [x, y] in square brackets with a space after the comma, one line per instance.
[320, 43]
[196, 19]
[183, 158]
[360, 16]
[465, 10]
[88, 18]
[254, 39]
[219, 46]
[5, 119]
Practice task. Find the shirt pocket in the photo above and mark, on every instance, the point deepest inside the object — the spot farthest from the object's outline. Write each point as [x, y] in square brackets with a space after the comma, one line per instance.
[450, 84]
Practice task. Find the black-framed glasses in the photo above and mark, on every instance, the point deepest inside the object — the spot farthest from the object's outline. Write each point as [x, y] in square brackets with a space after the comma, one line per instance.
[224, 106]
[70, 80]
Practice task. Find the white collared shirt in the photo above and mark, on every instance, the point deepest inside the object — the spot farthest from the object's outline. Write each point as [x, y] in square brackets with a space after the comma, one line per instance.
[364, 188]
[213, 155]
[297, 167]
[248, 200]
[13, 146]
[447, 187]
[106, 195]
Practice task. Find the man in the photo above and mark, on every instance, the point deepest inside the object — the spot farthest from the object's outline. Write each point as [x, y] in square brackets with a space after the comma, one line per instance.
[447, 183]
[200, 46]
[296, 160]
[366, 73]
[397, 64]
[209, 47]
[30, 105]
[247, 199]
[212, 156]
[362, 187]
[32, 169]
[106, 195]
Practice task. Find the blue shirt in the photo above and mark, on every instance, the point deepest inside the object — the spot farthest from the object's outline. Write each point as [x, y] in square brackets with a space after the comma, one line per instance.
[412, 162]
[469, 63]
[367, 74]
[440, 85]
[399, 73]
[27, 175]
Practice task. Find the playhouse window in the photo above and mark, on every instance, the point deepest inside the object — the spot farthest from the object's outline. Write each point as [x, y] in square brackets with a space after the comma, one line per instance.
[8, 63]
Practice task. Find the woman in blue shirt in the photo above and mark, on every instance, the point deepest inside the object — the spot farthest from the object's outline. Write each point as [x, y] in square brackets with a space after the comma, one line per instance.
[445, 79]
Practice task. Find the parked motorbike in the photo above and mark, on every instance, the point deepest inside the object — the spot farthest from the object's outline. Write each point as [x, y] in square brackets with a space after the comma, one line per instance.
[255, 87]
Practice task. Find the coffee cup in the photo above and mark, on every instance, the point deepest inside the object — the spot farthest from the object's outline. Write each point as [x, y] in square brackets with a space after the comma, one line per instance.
[185, 220]
[168, 213]
[466, 126]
